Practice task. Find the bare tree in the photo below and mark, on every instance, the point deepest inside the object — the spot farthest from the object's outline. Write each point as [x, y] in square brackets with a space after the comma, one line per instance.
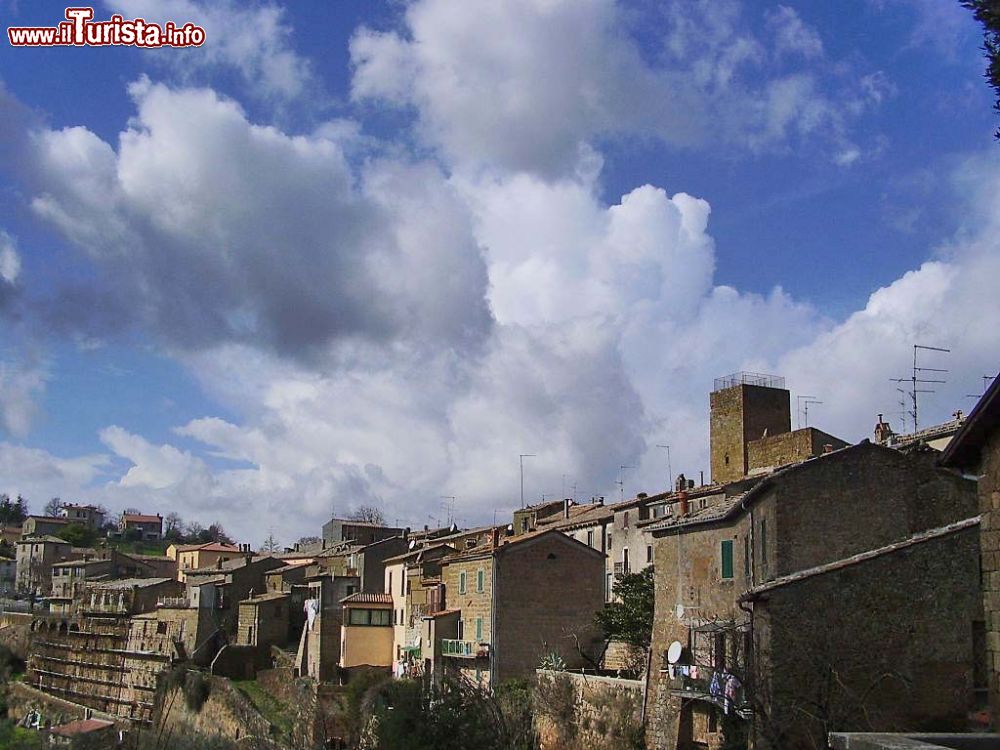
[306, 540]
[368, 514]
[172, 524]
[270, 544]
[52, 507]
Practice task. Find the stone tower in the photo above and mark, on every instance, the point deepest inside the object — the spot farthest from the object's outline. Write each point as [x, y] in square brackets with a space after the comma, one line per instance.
[745, 406]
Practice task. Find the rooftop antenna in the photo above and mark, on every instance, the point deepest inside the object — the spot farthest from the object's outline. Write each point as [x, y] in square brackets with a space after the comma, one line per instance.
[621, 478]
[574, 491]
[916, 380]
[450, 506]
[521, 458]
[670, 470]
[987, 379]
[802, 408]
[902, 410]
[805, 409]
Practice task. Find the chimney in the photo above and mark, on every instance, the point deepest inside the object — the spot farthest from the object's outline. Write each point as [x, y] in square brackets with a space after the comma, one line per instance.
[218, 564]
[682, 503]
[566, 503]
[495, 536]
[641, 496]
[828, 448]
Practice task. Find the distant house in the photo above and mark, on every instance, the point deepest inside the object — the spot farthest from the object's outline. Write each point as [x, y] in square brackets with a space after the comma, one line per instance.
[366, 633]
[86, 515]
[35, 558]
[196, 556]
[43, 525]
[8, 574]
[511, 603]
[149, 527]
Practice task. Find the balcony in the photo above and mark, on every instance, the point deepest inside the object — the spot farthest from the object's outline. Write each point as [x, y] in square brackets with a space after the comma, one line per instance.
[708, 685]
[621, 569]
[464, 649]
[173, 602]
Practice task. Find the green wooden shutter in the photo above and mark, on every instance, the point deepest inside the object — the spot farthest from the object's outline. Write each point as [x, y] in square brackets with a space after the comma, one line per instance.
[727, 558]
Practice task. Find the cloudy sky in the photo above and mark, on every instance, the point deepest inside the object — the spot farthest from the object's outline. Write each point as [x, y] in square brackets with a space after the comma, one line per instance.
[368, 252]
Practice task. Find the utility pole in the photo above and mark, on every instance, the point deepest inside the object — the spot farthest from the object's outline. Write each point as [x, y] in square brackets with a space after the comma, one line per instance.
[670, 471]
[521, 458]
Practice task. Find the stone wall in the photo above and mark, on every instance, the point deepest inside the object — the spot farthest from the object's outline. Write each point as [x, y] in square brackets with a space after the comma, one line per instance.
[227, 713]
[575, 711]
[738, 415]
[789, 447]
[548, 590]
[15, 632]
[474, 605]
[898, 639]
[989, 506]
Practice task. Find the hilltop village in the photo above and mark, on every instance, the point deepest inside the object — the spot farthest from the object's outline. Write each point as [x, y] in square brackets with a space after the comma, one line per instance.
[810, 586]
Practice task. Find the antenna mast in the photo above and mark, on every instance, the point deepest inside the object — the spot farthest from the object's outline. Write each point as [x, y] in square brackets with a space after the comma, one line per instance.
[621, 480]
[915, 380]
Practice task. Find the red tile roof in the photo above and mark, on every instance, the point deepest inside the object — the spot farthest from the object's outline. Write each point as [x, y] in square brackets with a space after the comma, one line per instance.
[138, 518]
[81, 726]
[366, 598]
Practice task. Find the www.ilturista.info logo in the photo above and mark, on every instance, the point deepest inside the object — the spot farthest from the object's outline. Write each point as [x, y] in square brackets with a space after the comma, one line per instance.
[79, 30]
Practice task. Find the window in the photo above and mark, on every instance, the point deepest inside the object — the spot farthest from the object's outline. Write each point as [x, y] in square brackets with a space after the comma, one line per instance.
[625, 567]
[590, 538]
[161, 628]
[461, 582]
[480, 581]
[625, 520]
[746, 556]
[609, 540]
[479, 628]
[250, 634]
[649, 553]
[369, 617]
[408, 587]
[402, 617]
[727, 558]
[461, 630]
[388, 588]
[524, 525]
[395, 621]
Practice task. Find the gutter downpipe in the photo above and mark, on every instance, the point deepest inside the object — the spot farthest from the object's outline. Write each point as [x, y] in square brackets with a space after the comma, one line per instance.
[493, 618]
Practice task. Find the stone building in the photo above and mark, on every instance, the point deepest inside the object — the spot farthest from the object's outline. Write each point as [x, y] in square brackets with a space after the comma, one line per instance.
[975, 451]
[818, 512]
[365, 561]
[750, 428]
[147, 528]
[70, 576]
[338, 530]
[366, 631]
[229, 582]
[591, 524]
[264, 621]
[199, 556]
[319, 650]
[35, 558]
[903, 648]
[90, 516]
[413, 582]
[43, 526]
[8, 574]
[526, 519]
[529, 596]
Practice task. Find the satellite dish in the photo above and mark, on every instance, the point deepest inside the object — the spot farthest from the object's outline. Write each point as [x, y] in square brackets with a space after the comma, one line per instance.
[412, 544]
[679, 610]
[453, 528]
[674, 652]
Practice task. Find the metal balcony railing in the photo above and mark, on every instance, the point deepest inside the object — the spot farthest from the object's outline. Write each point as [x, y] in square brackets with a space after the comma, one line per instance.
[464, 649]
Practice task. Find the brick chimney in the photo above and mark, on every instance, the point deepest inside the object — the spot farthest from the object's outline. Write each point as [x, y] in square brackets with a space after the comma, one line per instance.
[682, 504]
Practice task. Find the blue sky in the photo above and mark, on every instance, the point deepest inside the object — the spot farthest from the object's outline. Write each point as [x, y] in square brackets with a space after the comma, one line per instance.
[364, 252]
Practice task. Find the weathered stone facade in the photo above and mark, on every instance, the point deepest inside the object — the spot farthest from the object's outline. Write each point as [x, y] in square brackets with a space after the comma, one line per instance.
[777, 450]
[815, 513]
[900, 640]
[739, 414]
[579, 710]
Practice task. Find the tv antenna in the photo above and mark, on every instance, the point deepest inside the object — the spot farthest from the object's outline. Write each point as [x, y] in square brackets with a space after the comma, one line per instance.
[987, 379]
[621, 478]
[802, 410]
[450, 506]
[916, 380]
